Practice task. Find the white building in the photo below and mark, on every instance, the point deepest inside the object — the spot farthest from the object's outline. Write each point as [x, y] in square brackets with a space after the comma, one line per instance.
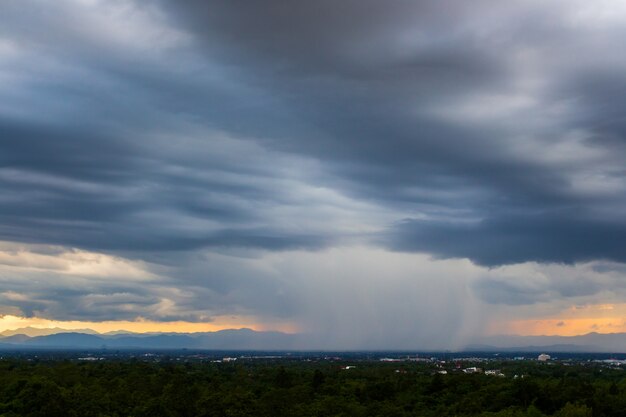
[543, 357]
[494, 372]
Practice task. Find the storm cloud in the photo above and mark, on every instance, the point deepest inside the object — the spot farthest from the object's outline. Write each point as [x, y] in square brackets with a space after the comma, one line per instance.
[174, 133]
[202, 112]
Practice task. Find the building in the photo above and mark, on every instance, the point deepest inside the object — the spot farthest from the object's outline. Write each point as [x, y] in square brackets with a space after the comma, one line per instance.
[543, 357]
[494, 372]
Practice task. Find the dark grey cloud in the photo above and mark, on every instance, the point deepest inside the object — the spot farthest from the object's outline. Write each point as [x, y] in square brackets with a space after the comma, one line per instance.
[523, 290]
[158, 130]
[367, 76]
[561, 235]
[400, 103]
[509, 293]
[128, 149]
[554, 287]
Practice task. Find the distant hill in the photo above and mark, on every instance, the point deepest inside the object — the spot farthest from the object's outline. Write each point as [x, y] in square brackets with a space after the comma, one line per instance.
[66, 340]
[247, 339]
[16, 338]
[534, 349]
[36, 331]
[240, 339]
[590, 342]
[118, 332]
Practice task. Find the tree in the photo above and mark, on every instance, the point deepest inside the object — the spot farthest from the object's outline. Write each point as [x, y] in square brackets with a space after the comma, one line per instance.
[574, 410]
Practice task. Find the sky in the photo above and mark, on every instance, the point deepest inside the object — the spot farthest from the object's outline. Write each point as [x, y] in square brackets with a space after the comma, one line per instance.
[397, 174]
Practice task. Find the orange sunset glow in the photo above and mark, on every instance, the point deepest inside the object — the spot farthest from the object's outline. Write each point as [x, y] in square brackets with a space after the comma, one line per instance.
[576, 320]
[10, 322]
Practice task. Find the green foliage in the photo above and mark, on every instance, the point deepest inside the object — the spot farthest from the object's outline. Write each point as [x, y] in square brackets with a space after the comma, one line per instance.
[571, 410]
[299, 388]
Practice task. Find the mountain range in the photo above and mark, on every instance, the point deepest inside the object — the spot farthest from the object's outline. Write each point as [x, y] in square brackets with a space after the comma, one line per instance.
[244, 339]
[36, 331]
[247, 339]
[590, 342]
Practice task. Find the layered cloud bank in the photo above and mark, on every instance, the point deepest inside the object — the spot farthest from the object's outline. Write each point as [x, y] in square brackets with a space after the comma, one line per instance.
[402, 172]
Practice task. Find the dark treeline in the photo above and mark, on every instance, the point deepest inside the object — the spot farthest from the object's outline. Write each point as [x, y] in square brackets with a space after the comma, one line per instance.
[300, 388]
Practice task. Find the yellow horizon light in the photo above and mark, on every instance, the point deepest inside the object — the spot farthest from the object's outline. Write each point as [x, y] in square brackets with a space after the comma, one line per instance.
[11, 322]
[573, 321]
